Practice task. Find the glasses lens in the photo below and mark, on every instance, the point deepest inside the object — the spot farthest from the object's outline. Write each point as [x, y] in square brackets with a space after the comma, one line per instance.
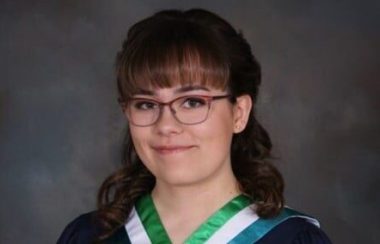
[143, 112]
[191, 109]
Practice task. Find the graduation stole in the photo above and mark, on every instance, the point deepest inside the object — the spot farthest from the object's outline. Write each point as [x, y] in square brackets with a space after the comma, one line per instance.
[234, 223]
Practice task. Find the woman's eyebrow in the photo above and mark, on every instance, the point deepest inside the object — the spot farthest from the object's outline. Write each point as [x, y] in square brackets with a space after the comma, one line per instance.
[176, 91]
[190, 88]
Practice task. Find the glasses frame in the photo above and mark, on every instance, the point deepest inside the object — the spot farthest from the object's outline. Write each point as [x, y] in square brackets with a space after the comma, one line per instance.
[161, 105]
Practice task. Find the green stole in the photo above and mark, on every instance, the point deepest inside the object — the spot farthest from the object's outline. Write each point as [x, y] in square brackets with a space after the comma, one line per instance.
[156, 231]
[147, 217]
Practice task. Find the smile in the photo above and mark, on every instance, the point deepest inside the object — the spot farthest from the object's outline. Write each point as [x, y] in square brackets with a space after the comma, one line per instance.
[166, 150]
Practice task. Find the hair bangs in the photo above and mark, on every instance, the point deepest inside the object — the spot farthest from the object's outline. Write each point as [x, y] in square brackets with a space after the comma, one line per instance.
[173, 57]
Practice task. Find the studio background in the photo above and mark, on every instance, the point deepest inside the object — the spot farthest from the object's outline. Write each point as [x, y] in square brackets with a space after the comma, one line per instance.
[61, 128]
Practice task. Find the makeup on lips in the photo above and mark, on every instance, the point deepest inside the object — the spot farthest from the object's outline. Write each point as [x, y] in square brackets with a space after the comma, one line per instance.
[171, 149]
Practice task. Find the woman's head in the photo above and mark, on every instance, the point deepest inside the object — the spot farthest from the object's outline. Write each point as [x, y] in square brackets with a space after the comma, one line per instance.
[173, 50]
[194, 49]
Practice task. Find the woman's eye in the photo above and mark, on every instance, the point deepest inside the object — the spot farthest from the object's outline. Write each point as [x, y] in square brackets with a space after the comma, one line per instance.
[144, 105]
[194, 102]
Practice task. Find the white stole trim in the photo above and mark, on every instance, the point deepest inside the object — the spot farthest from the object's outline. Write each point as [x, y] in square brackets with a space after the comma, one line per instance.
[135, 229]
[234, 226]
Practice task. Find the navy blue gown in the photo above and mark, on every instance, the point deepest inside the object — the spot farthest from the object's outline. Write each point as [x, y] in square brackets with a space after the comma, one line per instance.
[85, 228]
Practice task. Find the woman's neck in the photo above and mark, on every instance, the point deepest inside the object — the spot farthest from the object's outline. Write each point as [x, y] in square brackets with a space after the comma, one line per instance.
[201, 198]
[182, 209]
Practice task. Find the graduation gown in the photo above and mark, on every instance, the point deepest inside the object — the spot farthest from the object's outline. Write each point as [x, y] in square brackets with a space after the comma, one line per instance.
[234, 223]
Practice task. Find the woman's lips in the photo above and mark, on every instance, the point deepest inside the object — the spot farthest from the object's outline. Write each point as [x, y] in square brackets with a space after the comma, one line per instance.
[171, 149]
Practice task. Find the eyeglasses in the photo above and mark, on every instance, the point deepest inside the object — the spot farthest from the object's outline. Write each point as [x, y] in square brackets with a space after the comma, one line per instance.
[188, 110]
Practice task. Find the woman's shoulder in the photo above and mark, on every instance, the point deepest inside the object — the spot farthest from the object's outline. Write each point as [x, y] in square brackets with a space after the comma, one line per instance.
[82, 229]
[296, 231]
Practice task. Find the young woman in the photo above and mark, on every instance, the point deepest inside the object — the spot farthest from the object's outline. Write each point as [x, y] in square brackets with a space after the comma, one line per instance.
[196, 166]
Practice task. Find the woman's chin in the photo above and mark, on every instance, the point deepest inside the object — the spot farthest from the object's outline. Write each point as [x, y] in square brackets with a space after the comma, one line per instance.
[180, 180]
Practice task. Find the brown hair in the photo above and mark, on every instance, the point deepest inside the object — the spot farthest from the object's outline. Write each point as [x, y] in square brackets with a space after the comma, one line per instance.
[182, 47]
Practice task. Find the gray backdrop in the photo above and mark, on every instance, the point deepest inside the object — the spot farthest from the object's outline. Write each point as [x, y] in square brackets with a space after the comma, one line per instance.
[61, 128]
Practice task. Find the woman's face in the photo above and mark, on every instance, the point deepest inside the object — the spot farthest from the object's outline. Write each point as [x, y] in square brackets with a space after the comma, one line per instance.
[180, 154]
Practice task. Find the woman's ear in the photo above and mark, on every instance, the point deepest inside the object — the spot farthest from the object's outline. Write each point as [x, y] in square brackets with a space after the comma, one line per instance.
[242, 109]
[124, 109]
[125, 113]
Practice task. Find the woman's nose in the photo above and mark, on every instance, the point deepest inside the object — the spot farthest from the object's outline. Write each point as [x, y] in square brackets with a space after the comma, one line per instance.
[167, 124]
